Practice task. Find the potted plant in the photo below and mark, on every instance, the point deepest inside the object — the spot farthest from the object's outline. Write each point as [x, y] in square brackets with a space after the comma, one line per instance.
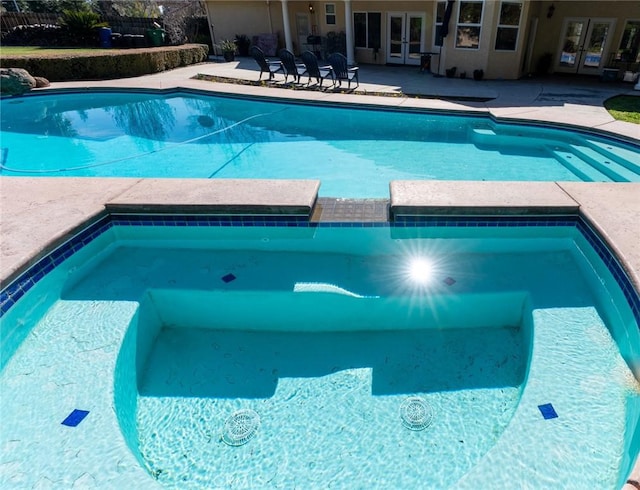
[544, 64]
[243, 42]
[228, 49]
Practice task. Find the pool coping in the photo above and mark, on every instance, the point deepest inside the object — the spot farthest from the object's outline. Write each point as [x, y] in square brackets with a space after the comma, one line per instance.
[40, 213]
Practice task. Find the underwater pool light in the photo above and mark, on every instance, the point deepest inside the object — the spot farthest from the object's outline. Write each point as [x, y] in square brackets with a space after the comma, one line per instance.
[421, 270]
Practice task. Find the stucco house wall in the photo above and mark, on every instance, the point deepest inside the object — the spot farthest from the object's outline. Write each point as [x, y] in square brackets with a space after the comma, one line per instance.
[539, 33]
[549, 29]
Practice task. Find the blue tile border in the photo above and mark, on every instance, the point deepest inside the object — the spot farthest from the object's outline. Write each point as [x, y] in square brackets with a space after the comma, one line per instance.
[408, 221]
[631, 295]
[208, 220]
[25, 281]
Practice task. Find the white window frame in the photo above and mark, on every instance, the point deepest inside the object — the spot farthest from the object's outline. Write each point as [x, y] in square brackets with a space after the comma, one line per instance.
[627, 21]
[507, 26]
[330, 14]
[478, 25]
[366, 18]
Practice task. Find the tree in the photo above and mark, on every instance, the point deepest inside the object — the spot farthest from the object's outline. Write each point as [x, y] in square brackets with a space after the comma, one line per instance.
[179, 19]
[48, 6]
[138, 8]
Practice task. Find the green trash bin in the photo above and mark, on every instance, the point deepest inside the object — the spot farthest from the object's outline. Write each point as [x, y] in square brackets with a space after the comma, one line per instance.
[155, 36]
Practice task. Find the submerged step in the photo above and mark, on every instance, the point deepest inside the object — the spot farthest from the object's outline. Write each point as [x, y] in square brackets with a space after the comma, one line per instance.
[607, 165]
[326, 310]
[629, 158]
[582, 169]
[490, 138]
[217, 357]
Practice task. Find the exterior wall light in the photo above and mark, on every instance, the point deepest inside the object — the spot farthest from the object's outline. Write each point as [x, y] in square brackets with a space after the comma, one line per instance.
[311, 9]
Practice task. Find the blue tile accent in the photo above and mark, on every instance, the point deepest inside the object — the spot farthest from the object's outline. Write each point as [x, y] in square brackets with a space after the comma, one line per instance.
[484, 221]
[228, 278]
[207, 220]
[75, 417]
[14, 291]
[547, 411]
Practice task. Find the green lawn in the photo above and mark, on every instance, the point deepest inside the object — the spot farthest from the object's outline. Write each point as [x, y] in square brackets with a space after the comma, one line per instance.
[624, 108]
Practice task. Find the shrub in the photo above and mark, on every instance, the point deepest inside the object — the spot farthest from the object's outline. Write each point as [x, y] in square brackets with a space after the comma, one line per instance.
[80, 27]
[34, 35]
[111, 65]
[243, 42]
[226, 45]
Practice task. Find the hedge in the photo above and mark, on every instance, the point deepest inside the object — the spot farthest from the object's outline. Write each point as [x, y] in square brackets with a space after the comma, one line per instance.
[105, 65]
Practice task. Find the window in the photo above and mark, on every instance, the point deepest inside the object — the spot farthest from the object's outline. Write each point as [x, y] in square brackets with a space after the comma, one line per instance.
[366, 26]
[508, 26]
[440, 8]
[629, 50]
[469, 22]
[330, 13]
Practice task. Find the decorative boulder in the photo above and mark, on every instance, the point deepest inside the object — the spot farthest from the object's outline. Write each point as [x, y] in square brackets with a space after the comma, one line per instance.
[41, 82]
[15, 81]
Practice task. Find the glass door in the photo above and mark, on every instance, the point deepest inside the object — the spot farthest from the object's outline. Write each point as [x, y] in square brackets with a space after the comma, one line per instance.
[302, 31]
[405, 37]
[599, 33]
[583, 45]
[395, 38]
[415, 37]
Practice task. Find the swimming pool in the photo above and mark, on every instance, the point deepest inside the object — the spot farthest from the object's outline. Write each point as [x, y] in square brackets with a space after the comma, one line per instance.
[355, 152]
[163, 328]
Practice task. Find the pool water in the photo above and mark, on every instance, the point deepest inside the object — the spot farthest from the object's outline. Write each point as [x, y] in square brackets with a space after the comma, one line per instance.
[324, 333]
[355, 152]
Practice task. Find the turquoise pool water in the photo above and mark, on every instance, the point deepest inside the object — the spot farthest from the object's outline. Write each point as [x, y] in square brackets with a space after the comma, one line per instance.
[355, 152]
[162, 333]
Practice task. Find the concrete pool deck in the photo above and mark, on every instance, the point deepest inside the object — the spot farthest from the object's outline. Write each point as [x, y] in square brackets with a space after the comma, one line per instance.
[37, 213]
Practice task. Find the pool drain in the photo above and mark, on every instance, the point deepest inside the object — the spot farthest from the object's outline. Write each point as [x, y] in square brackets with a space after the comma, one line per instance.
[416, 413]
[240, 427]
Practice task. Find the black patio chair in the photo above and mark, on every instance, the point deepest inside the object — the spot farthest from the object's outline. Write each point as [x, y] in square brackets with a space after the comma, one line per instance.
[291, 68]
[266, 66]
[341, 71]
[310, 61]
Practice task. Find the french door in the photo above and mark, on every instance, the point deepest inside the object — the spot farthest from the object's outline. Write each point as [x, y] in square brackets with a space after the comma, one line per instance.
[584, 45]
[405, 37]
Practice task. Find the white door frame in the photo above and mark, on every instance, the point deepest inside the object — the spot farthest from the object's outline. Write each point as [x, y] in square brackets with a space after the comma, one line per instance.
[404, 56]
[580, 62]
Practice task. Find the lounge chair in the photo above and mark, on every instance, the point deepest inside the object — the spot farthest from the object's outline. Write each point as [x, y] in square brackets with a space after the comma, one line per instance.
[291, 68]
[313, 70]
[266, 66]
[341, 71]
